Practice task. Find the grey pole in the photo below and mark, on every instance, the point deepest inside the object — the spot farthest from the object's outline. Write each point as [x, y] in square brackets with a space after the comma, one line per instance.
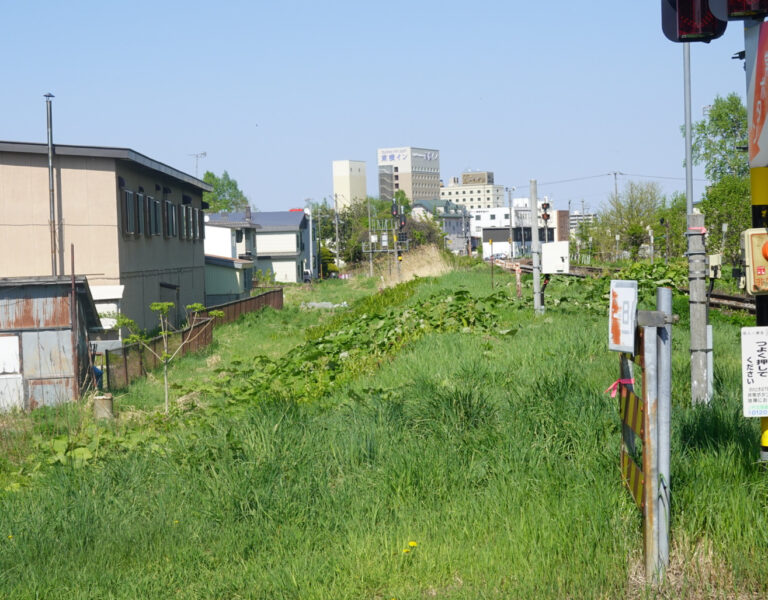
[370, 241]
[538, 307]
[52, 218]
[509, 192]
[311, 243]
[697, 259]
[336, 219]
[650, 454]
[664, 387]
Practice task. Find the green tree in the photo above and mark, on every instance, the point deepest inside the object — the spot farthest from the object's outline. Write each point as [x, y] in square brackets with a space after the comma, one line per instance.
[629, 215]
[716, 139]
[163, 310]
[727, 201]
[672, 220]
[226, 195]
[718, 145]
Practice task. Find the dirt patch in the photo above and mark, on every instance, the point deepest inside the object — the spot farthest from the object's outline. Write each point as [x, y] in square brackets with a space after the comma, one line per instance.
[427, 261]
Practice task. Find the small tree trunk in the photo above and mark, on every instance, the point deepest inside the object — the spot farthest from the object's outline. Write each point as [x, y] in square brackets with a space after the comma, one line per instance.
[164, 328]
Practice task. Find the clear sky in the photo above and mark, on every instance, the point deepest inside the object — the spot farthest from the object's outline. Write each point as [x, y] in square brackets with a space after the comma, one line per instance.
[273, 92]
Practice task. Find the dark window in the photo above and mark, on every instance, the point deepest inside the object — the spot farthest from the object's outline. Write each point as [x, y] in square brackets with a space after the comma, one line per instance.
[182, 222]
[140, 214]
[129, 212]
[202, 224]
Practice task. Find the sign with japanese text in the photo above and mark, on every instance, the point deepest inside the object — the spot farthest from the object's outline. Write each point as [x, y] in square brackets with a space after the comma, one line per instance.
[754, 371]
[622, 316]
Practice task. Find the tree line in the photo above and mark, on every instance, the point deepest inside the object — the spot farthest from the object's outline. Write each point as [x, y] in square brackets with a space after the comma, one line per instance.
[719, 144]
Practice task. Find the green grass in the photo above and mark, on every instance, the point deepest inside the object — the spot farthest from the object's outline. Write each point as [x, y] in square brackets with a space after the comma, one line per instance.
[497, 454]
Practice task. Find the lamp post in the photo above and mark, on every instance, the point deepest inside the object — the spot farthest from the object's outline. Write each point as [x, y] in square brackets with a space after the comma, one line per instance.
[618, 237]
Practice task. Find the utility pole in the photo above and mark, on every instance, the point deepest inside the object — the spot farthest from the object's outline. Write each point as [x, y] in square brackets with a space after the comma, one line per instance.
[52, 203]
[336, 219]
[370, 241]
[308, 211]
[697, 259]
[538, 305]
[509, 192]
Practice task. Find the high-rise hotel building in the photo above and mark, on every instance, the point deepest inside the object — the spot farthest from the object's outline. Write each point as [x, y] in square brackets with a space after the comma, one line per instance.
[415, 171]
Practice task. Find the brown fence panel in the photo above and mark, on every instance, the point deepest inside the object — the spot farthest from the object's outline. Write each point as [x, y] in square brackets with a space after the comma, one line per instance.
[233, 310]
[133, 361]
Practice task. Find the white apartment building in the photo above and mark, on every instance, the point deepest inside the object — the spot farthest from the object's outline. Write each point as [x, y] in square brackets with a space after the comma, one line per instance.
[475, 190]
[485, 220]
[415, 171]
[349, 182]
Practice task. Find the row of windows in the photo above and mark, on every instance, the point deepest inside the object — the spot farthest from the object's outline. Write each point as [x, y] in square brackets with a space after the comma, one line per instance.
[143, 214]
[464, 193]
[492, 217]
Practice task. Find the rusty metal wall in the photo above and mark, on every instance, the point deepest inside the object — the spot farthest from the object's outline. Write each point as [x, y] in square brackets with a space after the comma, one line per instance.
[39, 317]
[33, 308]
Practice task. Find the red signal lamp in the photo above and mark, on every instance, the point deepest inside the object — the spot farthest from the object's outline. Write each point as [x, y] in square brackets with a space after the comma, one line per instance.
[694, 20]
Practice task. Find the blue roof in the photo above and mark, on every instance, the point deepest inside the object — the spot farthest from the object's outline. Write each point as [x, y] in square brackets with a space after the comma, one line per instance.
[279, 220]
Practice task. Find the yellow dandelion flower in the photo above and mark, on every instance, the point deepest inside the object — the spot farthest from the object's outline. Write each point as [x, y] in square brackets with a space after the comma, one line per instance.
[412, 544]
[406, 550]
[10, 537]
[176, 522]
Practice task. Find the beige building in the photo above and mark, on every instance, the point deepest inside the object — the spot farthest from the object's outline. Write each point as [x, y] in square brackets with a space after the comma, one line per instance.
[415, 171]
[349, 182]
[475, 190]
[136, 225]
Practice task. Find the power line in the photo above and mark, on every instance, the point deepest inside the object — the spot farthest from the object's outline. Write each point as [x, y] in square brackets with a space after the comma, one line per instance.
[611, 174]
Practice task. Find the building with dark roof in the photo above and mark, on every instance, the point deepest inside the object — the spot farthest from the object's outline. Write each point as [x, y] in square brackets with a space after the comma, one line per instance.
[284, 246]
[133, 222]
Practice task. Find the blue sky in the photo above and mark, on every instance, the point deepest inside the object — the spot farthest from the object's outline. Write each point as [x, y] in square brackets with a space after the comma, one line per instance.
[274, 91]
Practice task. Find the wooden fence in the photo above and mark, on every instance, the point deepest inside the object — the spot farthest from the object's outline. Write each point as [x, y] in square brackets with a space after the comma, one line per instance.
[233, 310]
[132, 361]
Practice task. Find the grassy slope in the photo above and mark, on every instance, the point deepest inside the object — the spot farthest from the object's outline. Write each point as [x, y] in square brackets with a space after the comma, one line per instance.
[497, 455]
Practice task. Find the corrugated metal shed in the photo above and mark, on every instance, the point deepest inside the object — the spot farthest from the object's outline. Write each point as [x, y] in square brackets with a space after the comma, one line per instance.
[43, 350]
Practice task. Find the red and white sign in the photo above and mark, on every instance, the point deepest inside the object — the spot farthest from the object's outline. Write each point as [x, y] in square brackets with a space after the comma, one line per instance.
[756, 40]
[622, 316]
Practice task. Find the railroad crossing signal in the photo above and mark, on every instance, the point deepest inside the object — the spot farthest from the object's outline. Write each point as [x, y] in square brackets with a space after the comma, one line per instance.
[544, 213]
[705, 20]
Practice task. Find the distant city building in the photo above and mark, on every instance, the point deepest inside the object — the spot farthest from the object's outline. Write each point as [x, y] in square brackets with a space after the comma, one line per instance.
[577, 218]
[349, 182]
[493, 224]
[475, 190]
[415, 171]
[454, 222]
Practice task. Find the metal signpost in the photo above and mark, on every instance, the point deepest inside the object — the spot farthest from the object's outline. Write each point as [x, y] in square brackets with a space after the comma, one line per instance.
[384, 239]
[645, 419]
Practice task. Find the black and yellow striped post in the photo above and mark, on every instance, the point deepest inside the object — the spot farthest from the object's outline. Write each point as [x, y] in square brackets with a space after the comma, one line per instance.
[758, 177]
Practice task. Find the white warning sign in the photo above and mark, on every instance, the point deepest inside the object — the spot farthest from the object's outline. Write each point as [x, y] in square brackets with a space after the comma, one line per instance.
[754, 371]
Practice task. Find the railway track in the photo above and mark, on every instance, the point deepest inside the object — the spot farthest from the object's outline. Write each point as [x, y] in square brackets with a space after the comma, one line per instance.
[716, 299]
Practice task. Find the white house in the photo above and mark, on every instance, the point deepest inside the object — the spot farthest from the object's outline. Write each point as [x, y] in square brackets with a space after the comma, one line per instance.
[283, 245]
[230, 249]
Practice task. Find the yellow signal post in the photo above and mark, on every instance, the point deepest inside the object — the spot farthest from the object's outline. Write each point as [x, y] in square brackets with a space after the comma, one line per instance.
[758, 177]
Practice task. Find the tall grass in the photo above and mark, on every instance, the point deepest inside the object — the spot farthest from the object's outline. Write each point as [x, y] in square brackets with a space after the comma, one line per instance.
[497, 455]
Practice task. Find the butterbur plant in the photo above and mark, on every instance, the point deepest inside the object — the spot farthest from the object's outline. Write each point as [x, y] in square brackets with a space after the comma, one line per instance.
[162, 310]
